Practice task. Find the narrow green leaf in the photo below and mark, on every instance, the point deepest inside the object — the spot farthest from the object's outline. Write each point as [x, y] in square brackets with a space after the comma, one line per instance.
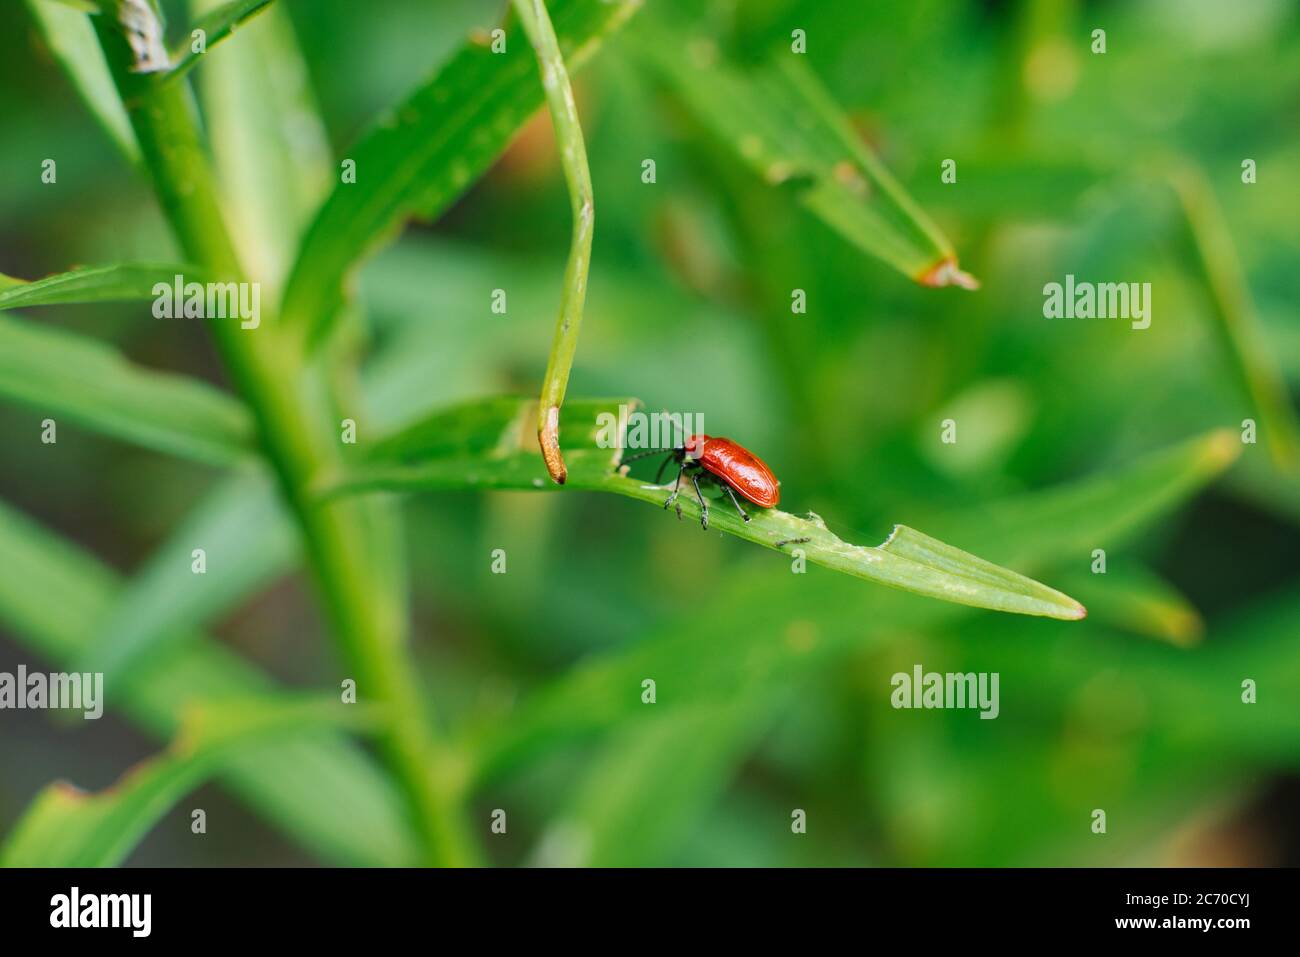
[122, 282]
[1234, 313]
[429, 150]
[269, 147]
[81, 6]
[71, 39]
[1134, 598]
[363, 823]
[59, 373]
[778, 119]
[493, 453]
[216, 25]
[1257, 481]
[246, 541]
[67, 827]
[645, 789]
[1103, 512]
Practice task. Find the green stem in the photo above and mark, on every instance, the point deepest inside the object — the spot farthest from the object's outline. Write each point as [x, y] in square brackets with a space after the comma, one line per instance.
[573, 157]
[366, 613]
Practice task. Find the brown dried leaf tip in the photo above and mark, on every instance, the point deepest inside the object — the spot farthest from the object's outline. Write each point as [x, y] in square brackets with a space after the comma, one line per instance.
[549, 439]
[946, 273]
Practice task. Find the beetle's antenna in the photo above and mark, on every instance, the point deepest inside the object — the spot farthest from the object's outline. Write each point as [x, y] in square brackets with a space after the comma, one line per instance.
[662, 465]
[641, 455]
[676, 420]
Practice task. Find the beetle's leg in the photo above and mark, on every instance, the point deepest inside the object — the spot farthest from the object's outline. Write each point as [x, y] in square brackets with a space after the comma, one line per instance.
[704, 508]
[677, 488]
[735, 501]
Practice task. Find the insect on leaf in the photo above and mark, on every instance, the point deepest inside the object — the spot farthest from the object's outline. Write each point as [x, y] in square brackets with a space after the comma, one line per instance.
[481, 446]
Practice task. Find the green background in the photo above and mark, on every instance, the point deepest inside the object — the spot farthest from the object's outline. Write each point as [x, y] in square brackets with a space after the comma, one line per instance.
[773, 688]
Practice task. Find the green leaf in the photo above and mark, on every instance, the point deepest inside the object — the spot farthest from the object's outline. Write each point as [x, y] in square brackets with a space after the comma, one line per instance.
[81, 6]
[123, 282]
[1257, 481]
[61, 373]
[71, 39]
[247, 541]
[66, 827]
[216, 25]
[363, 823]
[485, 445]
[1235, 320]
[429, 150]
[780, 121]
[269, 147]
[642, 792]
[1134, 598]
[1101, 513]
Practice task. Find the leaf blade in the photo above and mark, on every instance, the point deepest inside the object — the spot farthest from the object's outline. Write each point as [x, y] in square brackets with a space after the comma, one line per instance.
[425, 154]
[780, 121]
[364, 823]
[62, 373]
[247, 541]
[118, 282]
[65, 827]
[644, 790]
[217, 24]
[1234, 315]
[500, 457]
[270, 150]
[71, 39]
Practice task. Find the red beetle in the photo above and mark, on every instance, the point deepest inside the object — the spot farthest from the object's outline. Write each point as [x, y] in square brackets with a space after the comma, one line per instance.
[728, 464]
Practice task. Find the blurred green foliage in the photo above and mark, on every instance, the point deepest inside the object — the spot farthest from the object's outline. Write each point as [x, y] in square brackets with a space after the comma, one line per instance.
[772, 688]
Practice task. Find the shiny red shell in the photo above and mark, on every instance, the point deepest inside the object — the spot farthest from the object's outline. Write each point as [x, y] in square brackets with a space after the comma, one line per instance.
[737, 466]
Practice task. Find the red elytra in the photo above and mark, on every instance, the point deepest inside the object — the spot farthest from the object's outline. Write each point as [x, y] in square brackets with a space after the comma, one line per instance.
[735, 469]
[737, 466]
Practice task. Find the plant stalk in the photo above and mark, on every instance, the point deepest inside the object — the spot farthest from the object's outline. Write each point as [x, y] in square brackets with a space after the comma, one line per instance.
[366, 613]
